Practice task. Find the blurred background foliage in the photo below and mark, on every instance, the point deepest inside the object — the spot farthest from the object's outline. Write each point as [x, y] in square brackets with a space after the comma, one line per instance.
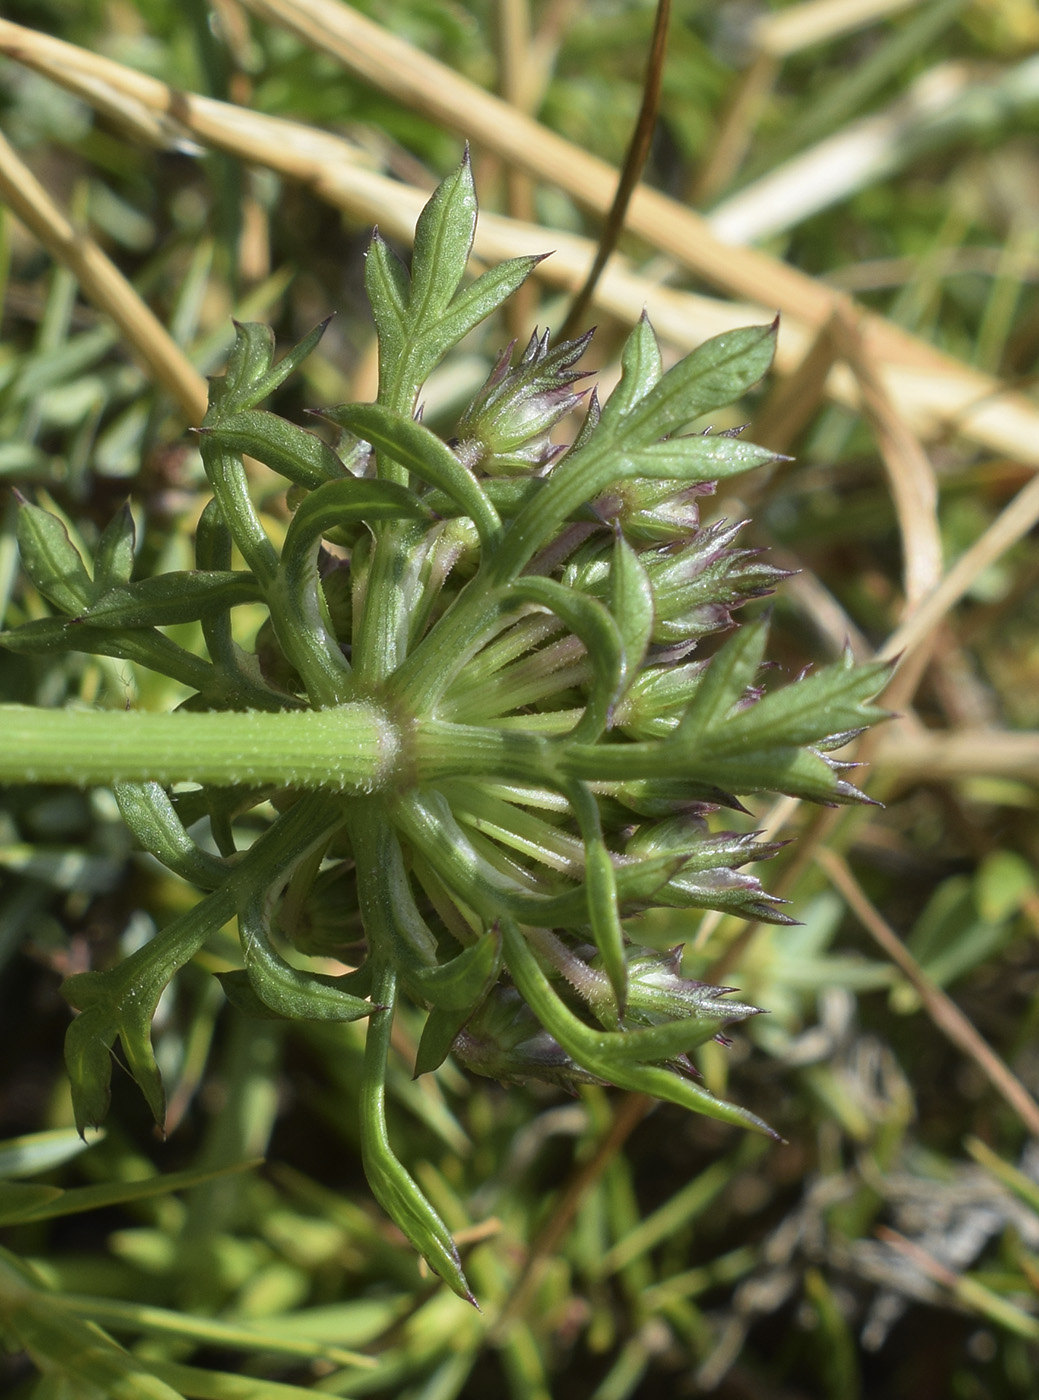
[891, 1246]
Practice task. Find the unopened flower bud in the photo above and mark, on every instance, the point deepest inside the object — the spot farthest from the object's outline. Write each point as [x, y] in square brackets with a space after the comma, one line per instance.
[505, 430]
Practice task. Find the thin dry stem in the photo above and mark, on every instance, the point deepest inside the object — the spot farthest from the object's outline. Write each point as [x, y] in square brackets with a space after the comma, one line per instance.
[440, 94]
[628, 1114]
[102, 283]
[940, 756]
[1013, 522]
[910, 475]
[943, 1011]
[631, 171]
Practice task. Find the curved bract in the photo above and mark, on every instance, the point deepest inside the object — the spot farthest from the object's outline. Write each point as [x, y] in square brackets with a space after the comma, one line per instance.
[476, 698]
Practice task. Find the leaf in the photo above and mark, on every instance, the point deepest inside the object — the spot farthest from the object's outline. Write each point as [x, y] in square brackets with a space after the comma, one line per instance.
[730, 673]
[295, 453]
[18, 1200]
[393, 1187]
[641, 368]
[251, 356]
[631, 603]
[592, 1049]
[829, 701]
[105, 1194]
[592, 623]
[474, 304]
[341, 503]
[461, 983]
[251, 375]
[39, 1152]
[600, 889]
[114, 556]
[121, 1003]
[178, 596]
[286, 990]
[151, 816]
[443, 241]
[423, 453]
[388, 286]
[438, 1035]
[51, 560]
[715, 374]
[694, 458]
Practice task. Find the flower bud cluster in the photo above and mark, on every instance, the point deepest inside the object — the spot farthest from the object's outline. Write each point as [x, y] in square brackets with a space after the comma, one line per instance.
[474, 728]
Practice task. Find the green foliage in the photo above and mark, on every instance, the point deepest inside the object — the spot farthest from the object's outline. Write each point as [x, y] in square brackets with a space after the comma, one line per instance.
[456, 897]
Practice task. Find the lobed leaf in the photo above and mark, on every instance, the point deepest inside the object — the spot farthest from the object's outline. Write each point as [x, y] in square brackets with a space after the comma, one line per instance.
[294, 452]
[171, 598]
[251, 375]
[425, 455]
[715, 374]
[724, 684]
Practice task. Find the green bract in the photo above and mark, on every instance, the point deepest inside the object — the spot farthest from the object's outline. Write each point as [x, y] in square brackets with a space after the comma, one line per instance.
[476, 716]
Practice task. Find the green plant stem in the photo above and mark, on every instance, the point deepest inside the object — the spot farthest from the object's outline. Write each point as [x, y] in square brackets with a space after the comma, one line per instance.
[352, 748]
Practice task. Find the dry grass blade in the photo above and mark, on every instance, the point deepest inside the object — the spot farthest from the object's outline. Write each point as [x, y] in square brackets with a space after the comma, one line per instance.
[818, 21]
[1009, 526]
[794, 401]
[934, 756]
[942, 1010]
[735, 131]
[860, 155]
[910, 475]
[933, 393]
[102, 283]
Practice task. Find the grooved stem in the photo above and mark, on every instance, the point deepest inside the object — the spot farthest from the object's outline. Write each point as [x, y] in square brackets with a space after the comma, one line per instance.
[353, 748]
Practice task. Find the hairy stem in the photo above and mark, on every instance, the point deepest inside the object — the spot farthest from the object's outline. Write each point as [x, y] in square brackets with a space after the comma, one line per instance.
[352, 748]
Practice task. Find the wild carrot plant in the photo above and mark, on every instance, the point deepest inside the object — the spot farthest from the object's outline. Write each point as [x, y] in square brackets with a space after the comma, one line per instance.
[474, 724]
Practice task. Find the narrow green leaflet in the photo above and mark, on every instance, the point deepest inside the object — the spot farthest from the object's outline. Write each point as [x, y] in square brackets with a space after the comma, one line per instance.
[121, 1002]
[388, 286]
[590, 621]
[251, 375]
[711, 377]
[694, 458]
[730, 673]
[427, 456]
[114, 556]
[289, 991]
[641, 368]
[299, 455]
[600, 888]
[393, 1187]
[177, 597]
[631, 603]
[832, 700]
[39, 1152]
[52, 561]
[463, 981]
[151, 816]
[443, 241]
